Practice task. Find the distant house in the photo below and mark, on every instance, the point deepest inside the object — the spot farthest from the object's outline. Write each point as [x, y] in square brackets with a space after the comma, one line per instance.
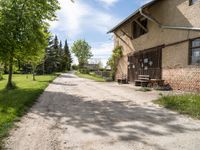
[162, 39]
[92, 67]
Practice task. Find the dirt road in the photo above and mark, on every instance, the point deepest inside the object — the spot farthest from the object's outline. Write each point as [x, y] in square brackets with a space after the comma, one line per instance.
[79, 114]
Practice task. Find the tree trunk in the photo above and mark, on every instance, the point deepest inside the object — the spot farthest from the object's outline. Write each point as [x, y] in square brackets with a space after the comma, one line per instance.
[34, 68]
[34, 76]
[10, 84]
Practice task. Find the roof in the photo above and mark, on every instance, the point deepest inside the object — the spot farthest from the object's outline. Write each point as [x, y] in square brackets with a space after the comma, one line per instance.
[132, 15]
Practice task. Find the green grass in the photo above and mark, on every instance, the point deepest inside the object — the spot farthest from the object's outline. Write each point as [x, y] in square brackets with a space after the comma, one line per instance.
[91, 77]
[15, 103]
[185, 104]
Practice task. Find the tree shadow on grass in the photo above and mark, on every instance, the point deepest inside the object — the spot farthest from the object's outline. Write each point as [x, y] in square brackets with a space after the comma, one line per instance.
[130, 122]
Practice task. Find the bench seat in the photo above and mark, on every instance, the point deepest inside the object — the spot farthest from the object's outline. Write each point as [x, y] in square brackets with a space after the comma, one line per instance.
[143, 80]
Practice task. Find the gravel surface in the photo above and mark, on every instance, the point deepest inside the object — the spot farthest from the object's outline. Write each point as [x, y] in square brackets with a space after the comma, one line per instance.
[80, 114]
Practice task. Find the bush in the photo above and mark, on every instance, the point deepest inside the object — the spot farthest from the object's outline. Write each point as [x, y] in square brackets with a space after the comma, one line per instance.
[114, 60]
[84, 71]
[74, 67]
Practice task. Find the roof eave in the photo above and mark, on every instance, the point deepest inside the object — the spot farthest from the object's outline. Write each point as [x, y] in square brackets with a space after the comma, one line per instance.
[130, 16]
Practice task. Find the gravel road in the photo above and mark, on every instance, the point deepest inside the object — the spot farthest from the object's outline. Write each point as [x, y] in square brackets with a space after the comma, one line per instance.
[80, 114]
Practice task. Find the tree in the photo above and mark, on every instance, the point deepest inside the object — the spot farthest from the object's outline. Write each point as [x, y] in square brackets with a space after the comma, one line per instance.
[52, 57]
[22, 24]
[37, 57]
[67, 56]
[82, 51]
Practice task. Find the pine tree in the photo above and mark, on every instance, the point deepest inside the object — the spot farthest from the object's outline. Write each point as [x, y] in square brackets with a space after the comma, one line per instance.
[67, 56]
[57, 58]
[51, 56]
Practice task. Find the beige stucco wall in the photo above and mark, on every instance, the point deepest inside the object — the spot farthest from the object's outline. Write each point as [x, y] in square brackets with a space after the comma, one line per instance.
[168, 12]
[175, 56]
[122, 67]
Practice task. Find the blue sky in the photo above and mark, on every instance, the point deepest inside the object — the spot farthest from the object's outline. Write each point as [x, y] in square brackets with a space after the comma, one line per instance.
[90, 20]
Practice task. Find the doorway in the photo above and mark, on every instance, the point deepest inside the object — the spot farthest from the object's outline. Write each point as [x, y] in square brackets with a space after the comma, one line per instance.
[146, 62]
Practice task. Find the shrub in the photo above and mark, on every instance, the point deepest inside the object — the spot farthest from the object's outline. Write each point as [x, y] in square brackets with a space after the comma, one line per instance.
[84, 71]
[114, 60]
[74, 67]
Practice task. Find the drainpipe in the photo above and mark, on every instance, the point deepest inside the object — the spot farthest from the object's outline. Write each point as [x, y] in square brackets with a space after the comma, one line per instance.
[166, 26]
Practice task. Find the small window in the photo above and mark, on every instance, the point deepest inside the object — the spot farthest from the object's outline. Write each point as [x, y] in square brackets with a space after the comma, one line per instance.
[139, 27]
[195, 52]
[193, 2]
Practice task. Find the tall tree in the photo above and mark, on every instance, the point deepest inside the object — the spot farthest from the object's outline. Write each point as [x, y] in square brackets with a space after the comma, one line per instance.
[22, 23]
[51, 56]
[68, 57]
[82, 51]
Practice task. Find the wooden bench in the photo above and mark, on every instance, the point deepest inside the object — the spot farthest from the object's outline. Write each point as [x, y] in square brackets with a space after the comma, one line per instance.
[123, 79]
[143, 80]
[156, 83]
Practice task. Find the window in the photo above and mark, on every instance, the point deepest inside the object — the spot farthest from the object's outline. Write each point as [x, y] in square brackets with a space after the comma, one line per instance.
[193, 2]
[195, 52]
[139, 27]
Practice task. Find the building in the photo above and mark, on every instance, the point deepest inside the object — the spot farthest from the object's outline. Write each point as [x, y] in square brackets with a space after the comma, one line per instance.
[162, 39]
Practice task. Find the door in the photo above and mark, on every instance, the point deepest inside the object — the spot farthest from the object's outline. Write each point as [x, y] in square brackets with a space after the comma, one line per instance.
[147, 62]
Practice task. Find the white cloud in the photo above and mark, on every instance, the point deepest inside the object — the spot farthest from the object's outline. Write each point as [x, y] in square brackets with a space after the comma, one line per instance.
[108, 2]
[102, 51]
[75, 18]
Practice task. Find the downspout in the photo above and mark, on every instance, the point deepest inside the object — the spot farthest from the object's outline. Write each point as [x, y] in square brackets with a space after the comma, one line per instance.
[166, 26]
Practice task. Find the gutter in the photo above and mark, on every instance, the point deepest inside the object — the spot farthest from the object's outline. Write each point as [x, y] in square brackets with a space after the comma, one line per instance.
[166, 26]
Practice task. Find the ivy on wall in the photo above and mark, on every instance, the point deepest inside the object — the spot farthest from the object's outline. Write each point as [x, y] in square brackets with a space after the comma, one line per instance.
[114, 60]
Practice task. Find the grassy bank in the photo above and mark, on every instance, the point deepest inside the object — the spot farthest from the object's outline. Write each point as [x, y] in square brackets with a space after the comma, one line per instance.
[185, 104]
[15, 103]
[91, 77]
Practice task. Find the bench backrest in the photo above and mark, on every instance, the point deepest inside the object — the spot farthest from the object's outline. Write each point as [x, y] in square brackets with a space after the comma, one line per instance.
[144, 77]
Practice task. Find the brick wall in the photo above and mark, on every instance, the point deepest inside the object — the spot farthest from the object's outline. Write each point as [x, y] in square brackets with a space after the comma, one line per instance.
[186, 79]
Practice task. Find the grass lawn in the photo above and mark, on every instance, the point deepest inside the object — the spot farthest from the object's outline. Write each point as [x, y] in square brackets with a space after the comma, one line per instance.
[91, 77]
[15, 103]
[185, 104]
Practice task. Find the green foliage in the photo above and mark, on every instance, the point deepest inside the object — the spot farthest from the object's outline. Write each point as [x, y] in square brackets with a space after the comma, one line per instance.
[52, 59]
[57, 58]
[114, 60]
[1, 71]
[84, 71]
[67, 58]
[82, 51]
[186, 104]
[15, 103]
[74, 67]
[23, 25]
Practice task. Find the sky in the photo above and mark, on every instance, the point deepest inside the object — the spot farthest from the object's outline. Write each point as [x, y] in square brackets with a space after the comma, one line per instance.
[91, 20]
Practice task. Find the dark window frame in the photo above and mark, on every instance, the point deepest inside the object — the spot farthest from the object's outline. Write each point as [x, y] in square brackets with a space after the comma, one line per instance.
[138, 31]
[191, 48]
[191, 2]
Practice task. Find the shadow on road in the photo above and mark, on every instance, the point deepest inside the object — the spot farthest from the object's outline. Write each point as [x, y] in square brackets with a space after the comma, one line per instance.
[125, 119]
